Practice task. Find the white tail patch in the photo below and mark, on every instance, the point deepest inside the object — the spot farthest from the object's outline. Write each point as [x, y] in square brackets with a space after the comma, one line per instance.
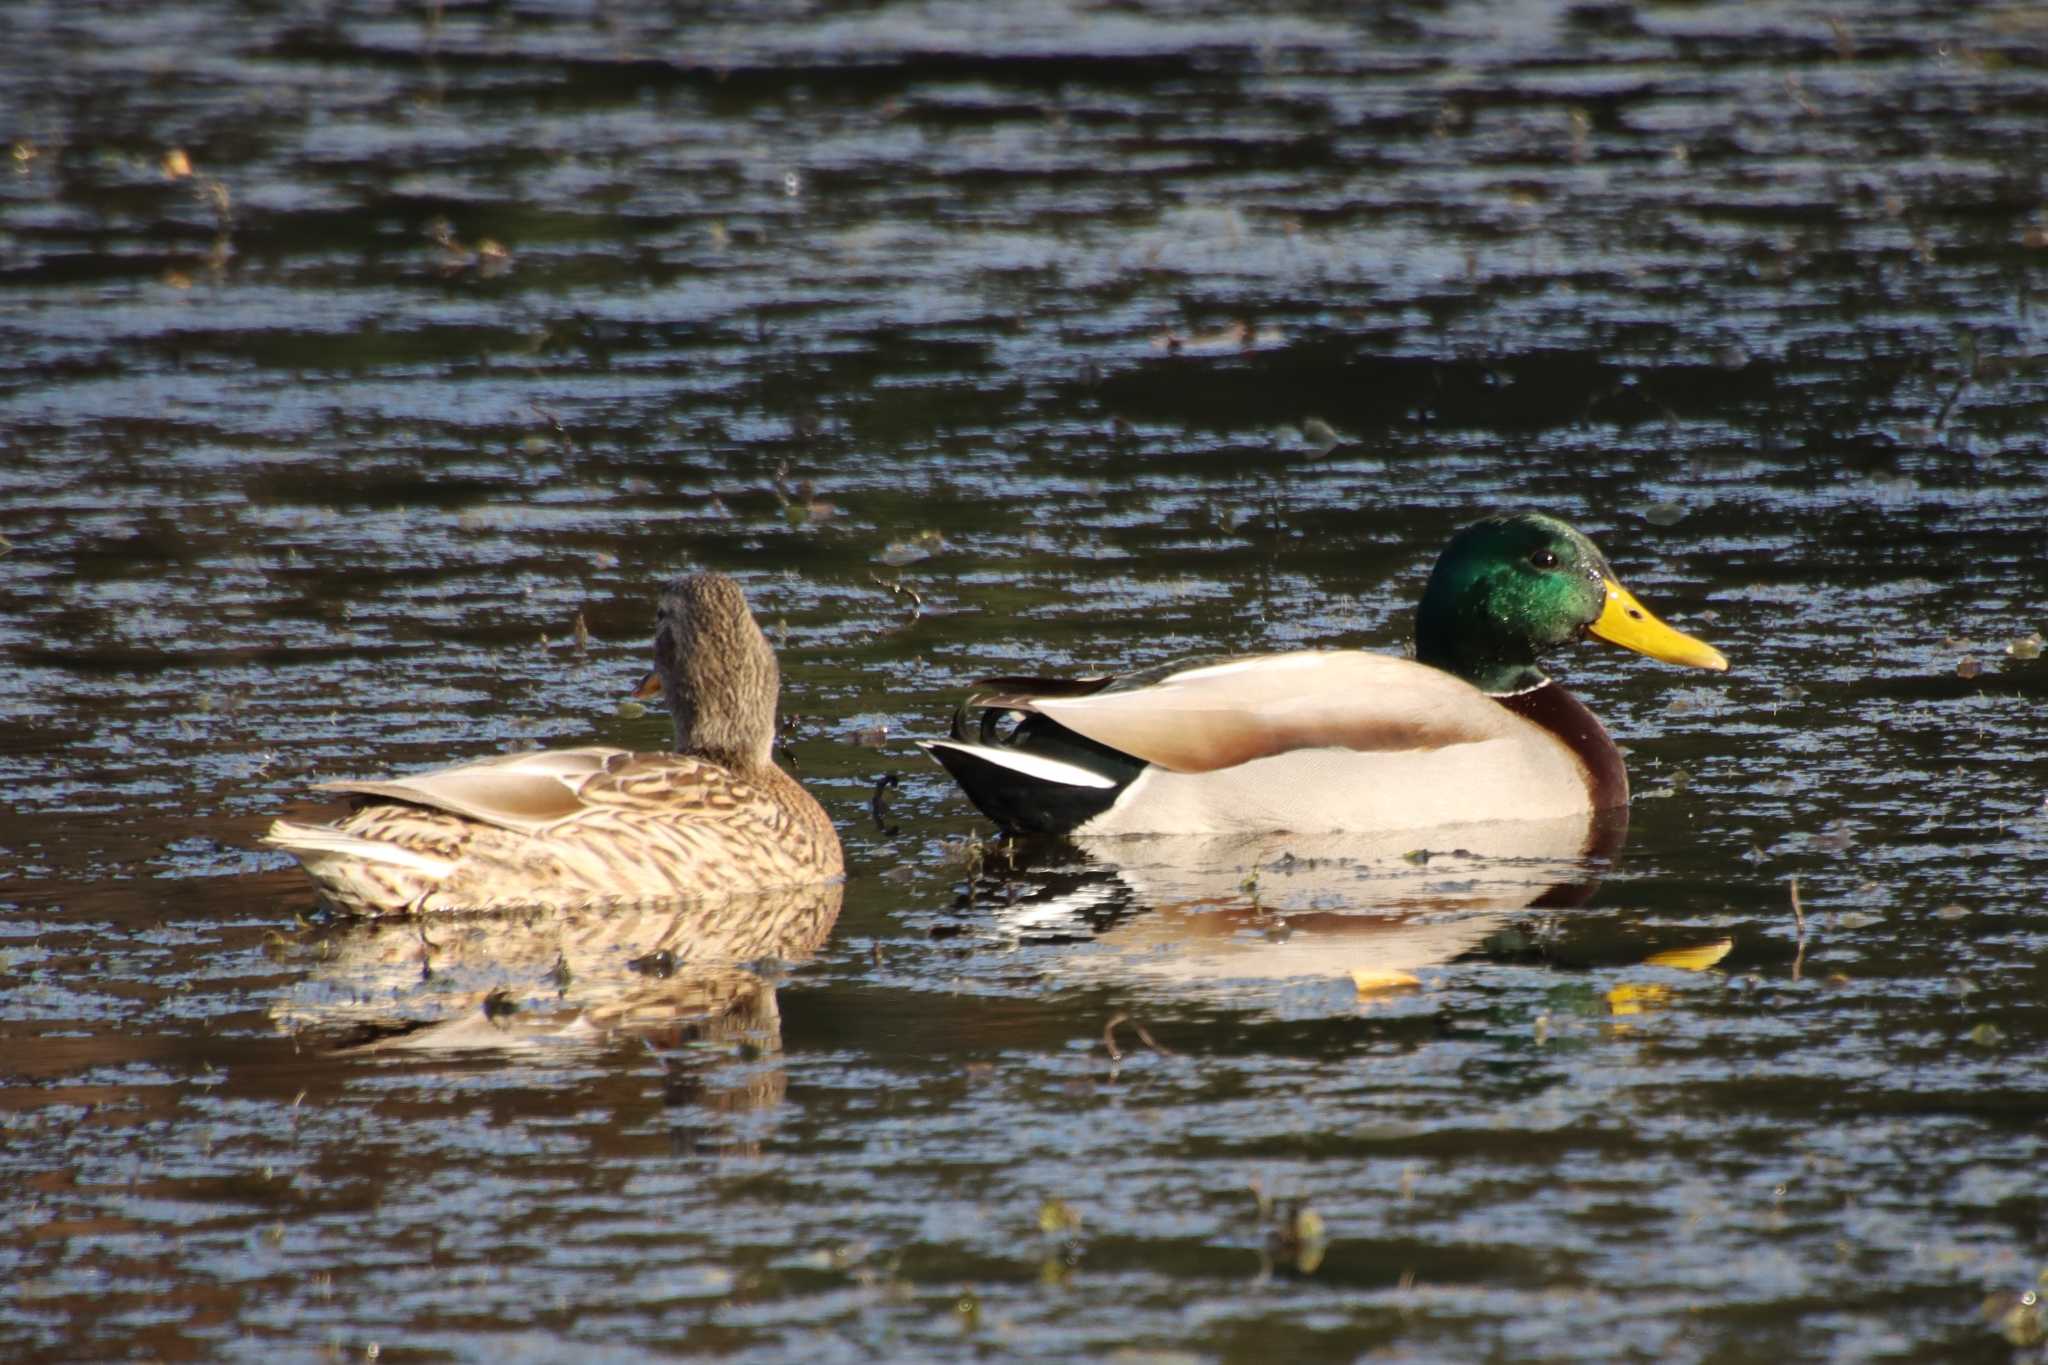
[313, 842]
[1029, 765]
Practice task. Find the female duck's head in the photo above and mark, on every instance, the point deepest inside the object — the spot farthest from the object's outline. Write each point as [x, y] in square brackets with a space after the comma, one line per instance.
[716, 671]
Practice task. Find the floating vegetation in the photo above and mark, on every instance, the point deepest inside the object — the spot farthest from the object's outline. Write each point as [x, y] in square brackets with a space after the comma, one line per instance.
[1295, 1235]
[1632, 997]
[1664, 513]
[898, 588]
[2021, 1318]
[487, 258]
[1237, 336]
[911, 549]
[1372, 982]
[1144, 1036]
[1058, 1218]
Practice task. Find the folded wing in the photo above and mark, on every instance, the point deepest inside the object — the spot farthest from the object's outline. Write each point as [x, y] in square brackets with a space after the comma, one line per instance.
[525, 792]
[1222, 715]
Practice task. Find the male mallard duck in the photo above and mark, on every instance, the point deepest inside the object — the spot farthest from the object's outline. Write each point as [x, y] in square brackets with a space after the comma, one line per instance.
[1469, 730]
[582, 827]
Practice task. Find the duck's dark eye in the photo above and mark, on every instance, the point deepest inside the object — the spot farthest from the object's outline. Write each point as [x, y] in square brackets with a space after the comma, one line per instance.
[1543, 559]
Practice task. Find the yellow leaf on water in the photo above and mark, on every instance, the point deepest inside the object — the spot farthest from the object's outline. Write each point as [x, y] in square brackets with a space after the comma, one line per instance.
[1692, 959]
[1630, 998]
[1056, 1217]
[1375, 980]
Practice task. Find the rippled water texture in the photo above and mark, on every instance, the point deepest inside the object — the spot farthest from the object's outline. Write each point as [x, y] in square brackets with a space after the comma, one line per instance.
[350, 354]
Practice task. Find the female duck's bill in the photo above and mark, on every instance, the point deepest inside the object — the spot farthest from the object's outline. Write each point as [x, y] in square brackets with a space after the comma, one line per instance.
[1470, 730]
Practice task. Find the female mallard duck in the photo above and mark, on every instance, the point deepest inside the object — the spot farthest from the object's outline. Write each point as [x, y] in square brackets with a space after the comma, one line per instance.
[1469, 730]
[584, 827]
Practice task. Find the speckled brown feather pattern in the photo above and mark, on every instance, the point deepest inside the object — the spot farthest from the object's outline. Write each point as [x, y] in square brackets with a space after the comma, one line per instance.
[716, 818]
[660, 826]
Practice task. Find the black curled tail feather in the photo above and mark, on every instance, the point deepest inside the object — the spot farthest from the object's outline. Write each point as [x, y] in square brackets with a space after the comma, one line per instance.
[1023, 802]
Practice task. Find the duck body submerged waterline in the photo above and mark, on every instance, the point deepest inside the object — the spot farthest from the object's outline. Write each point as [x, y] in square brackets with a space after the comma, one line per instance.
[577, 828]
[1471, 730]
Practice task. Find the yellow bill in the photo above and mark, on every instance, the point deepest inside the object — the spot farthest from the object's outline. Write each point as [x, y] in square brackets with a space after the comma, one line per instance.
[1628, 623]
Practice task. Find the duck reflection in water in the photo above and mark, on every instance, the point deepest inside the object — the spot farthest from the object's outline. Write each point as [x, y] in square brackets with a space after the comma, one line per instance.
[1305, 919]
[532, 983]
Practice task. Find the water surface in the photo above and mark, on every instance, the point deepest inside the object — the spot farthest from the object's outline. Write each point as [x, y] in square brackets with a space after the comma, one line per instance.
[349, 354]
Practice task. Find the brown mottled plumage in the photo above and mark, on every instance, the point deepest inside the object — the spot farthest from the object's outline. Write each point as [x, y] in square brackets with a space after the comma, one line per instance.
[586, 827]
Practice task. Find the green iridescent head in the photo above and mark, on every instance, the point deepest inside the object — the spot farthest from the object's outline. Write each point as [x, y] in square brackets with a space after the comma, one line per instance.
[1508, 588]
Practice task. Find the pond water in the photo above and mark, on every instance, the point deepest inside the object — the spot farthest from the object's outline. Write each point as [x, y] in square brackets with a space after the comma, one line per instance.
[351, 354]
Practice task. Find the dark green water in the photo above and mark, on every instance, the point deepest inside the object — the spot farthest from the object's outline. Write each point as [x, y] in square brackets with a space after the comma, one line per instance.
[983, 340]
